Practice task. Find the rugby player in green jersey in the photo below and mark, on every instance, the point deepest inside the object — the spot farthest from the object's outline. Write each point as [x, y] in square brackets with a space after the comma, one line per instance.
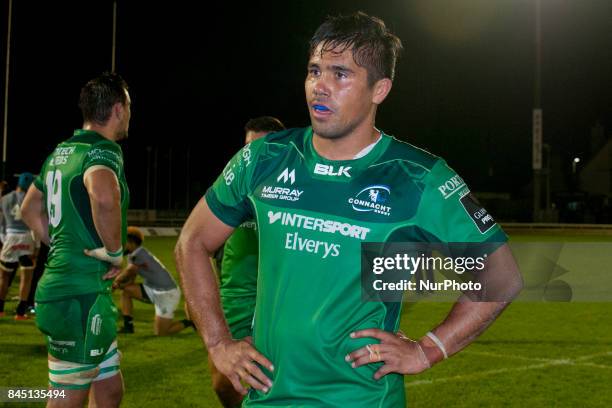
[317, 194]
[78, 206]
[236, 266]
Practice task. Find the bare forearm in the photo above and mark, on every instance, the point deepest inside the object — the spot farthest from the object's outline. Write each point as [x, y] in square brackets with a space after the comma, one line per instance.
[469, 318]
[105, 198]
[34, 215]
[107, 220]
[466, 321]
[42, 232]
[40, 227]
[201, 291]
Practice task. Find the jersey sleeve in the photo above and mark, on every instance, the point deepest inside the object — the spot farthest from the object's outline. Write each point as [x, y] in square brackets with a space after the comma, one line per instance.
[227, 198]
[138, 257]
[451, 213]
[39, 181]
[107, 154]
[131, 258]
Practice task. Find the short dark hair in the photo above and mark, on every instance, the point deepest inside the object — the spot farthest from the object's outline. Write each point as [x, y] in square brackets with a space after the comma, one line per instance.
[264, 124]
[99, 95]
[374, 47]
[135, 235]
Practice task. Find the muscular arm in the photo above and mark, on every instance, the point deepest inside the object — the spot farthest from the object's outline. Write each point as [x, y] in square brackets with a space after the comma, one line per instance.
[468, 319]
[201, 235]
[34, 215]
[465, 322]
[104, 196]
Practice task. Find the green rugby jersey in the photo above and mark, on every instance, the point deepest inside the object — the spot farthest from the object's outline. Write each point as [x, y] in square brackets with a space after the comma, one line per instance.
[312, 216]
[238, 268]
[238, 278]
[69, 271]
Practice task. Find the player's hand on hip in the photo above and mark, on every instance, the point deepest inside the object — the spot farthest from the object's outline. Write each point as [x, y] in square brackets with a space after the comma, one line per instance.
[236, 360]
[103, 254]
[398, 353]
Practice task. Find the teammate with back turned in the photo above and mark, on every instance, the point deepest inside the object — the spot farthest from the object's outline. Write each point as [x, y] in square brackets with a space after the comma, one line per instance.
[77, 206]
[315, 342]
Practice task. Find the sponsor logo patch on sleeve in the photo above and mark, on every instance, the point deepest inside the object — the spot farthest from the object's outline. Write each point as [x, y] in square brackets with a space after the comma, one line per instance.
[483, 220]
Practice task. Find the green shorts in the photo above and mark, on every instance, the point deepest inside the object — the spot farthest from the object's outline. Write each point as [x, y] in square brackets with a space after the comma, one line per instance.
[239, 313]
[79, 329]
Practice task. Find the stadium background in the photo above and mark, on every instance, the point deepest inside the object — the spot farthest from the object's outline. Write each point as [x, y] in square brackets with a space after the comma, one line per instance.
[464, 90]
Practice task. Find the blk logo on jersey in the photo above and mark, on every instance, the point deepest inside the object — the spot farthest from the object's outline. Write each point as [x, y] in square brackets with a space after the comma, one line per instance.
[483, 220]
[372, 199]
[286, 176]
[451, 186]
[326, 170]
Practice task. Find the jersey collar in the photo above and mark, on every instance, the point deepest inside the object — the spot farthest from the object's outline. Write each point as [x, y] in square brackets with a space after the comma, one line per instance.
[340, 170]
[86, 136]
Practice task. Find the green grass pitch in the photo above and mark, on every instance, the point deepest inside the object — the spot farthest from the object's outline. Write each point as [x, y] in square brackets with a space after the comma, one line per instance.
[536, 354]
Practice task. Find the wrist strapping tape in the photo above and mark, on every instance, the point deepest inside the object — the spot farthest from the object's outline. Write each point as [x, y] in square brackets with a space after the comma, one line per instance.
[115, 254]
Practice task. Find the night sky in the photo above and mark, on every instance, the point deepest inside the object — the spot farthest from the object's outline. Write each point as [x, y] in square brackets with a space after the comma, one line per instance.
[463, 90]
